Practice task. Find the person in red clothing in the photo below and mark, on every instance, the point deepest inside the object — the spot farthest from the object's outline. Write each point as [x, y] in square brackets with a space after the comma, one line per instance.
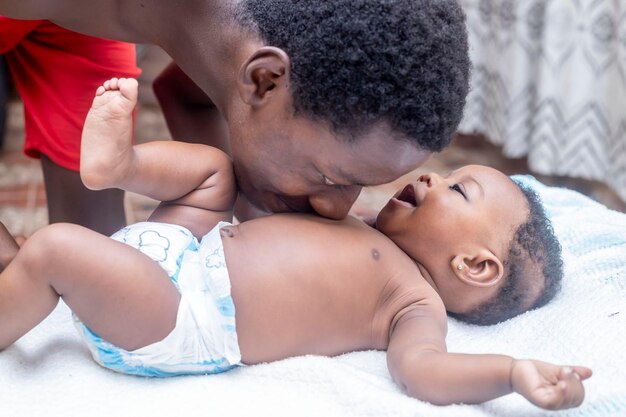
[55, 70]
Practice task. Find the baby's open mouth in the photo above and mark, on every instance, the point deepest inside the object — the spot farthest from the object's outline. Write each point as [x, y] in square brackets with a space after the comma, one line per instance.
[408, 195]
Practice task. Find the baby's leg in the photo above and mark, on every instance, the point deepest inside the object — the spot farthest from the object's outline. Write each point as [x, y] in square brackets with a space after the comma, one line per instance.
[118, 292]
[106, 147]
[8, 247]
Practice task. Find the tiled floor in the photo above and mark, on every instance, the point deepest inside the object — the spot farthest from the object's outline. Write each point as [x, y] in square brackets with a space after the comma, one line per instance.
[22, 195]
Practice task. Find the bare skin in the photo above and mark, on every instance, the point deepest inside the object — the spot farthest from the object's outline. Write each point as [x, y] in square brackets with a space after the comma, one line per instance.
[373, 296]
[8, 247]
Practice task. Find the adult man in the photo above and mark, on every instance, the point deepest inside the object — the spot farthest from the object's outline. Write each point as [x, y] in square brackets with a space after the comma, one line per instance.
[317, 98]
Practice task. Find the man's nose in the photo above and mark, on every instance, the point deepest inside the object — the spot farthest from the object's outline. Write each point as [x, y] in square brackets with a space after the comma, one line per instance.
[334, 202]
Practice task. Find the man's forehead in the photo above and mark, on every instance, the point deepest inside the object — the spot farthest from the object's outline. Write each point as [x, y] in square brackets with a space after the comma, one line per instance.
[372, 166]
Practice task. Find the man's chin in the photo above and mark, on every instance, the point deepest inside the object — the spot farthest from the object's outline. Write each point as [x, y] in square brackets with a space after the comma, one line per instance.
[286, 205]
[245, 209]
[276, 203]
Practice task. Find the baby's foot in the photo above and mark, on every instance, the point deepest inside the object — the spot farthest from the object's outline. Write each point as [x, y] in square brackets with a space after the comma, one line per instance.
[106, 148]
[8, 247]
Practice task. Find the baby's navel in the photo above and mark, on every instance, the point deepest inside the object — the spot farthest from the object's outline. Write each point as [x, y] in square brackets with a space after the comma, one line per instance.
[375, 254]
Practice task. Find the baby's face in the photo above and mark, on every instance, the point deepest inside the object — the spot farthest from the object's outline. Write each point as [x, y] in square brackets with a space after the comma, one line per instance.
[436, 218]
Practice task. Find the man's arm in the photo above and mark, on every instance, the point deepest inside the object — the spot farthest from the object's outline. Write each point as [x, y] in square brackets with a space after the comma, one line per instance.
[419, 363]
[32, 9]
[190, 114]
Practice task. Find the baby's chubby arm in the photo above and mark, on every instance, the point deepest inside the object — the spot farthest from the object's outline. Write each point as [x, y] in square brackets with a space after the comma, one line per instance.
[419, 363]
[195, 182]
[167, 171]
[197, 194]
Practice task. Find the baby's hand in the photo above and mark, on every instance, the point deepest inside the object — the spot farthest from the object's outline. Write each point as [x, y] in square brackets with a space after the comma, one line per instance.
[549, 386]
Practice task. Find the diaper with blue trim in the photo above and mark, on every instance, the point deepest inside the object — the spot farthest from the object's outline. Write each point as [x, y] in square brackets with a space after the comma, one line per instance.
[205, 338]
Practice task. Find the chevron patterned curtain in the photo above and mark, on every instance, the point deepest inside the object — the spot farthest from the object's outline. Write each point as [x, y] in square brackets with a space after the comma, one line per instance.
[549, 83]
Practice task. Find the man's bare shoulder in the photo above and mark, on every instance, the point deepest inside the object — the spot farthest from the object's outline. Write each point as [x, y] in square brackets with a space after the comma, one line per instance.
[102, 18]
[52, 10]
[30, 9]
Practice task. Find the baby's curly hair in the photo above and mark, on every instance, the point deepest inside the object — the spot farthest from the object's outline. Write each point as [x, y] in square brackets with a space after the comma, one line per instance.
[356, 63]
[534, 258]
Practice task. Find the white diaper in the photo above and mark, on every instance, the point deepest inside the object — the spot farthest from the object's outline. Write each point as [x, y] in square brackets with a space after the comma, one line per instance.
[205, 338]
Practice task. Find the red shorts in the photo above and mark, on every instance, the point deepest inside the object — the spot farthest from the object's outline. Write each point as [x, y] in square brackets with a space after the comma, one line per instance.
[56, 73]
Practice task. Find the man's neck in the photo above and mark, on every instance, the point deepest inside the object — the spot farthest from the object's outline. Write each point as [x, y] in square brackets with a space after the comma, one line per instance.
[209, 46]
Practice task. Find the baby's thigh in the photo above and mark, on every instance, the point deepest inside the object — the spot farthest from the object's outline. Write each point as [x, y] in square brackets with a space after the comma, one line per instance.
[121, 294]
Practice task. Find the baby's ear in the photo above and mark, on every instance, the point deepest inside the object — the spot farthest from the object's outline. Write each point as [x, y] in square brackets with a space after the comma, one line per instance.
[480, 269]
[265, 70]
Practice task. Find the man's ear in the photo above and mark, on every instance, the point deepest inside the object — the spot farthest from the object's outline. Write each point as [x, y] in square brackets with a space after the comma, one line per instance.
[266, 70]
[481, 269]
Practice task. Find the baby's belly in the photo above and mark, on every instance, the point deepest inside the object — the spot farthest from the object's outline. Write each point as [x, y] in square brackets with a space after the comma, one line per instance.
[297, 290]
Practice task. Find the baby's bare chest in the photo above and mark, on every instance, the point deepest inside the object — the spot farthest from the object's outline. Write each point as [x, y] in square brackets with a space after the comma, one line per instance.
[320, 256]
[313, 280]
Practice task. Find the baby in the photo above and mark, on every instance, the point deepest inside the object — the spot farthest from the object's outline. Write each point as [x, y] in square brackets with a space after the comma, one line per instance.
[155, 300]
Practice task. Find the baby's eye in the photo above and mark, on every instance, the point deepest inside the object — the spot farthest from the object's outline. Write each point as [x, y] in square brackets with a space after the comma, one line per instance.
[458, 189]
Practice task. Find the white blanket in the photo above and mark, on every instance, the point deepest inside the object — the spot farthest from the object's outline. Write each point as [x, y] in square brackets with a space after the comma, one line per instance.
[49, 372]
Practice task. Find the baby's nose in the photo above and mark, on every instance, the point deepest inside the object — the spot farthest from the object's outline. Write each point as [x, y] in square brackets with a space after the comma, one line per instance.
[430, 179]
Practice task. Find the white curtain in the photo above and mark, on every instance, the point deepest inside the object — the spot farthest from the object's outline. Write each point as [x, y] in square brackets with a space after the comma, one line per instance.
[549, 83]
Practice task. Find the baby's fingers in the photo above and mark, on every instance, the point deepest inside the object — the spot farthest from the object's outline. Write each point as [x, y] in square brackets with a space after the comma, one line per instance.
[567, 392]
[582, 371]
[572, 391]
